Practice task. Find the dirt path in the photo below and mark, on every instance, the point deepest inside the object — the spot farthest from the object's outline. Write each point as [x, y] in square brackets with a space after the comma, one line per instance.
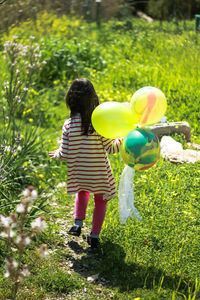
[81, 260]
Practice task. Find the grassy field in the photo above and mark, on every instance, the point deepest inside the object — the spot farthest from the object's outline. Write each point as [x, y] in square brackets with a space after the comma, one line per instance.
[156, 258]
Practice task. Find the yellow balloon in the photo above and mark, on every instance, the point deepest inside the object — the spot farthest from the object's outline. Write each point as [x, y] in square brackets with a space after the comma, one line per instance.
[113, 119]
[148, 105]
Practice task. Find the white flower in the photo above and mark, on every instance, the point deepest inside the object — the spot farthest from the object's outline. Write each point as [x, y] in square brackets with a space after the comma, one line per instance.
[34, 194]
[7, 274]
[38, 224]
[26, 193]
[43, 251]
[20, 208]
[6, 84]
[25, 271]
[13, 220]
[12, 233]
[10, 264]
[23, 240]
[29, 193]
[15, 263]
[5, 221]
[9, 233]
[61, 184]
[7, 148]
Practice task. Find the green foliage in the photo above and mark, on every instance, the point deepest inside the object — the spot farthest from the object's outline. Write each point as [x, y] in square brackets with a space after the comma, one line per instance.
[168, 9]
[69, 60]
[157, 258]
[19, 156]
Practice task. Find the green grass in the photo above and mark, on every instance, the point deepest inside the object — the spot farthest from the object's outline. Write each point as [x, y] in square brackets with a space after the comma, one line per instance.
[158, 257]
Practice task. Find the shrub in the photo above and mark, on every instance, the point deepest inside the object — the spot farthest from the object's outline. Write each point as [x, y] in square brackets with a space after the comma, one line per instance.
[69, 60]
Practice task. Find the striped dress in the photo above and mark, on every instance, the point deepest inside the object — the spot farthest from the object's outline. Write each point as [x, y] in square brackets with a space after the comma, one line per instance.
[88, 166]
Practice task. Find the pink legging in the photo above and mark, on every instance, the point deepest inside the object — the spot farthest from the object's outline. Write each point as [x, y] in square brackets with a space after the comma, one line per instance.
[99, 211]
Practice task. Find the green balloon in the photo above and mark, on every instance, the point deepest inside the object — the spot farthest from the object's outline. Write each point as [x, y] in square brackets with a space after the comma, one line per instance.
[140, 149]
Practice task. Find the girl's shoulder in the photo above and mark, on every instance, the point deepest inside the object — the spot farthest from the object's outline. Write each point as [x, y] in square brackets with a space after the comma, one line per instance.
[71, 121]
[67, 122]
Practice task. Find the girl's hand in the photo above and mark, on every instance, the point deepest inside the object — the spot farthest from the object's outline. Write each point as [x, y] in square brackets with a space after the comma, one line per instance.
[54, 154]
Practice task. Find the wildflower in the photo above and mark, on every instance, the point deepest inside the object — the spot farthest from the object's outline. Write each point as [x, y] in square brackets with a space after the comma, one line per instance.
[20, 208]
[4, 221]
[61, 184]
[6, 84]
[18, 99]
[7, 274]
[10, 266]
[7, 233]
[30, 193]
[7, 148]
[25, 271]
[23, 240]
[43, 250]
[13, 219]
[38, 224]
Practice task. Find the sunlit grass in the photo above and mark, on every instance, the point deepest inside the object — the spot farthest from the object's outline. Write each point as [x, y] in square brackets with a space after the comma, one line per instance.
[158, 257]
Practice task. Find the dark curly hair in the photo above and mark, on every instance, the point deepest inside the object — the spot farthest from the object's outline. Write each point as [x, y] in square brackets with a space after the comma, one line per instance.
[82, 98]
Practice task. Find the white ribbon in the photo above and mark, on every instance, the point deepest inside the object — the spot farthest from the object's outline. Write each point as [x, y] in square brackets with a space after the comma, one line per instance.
[126, 195]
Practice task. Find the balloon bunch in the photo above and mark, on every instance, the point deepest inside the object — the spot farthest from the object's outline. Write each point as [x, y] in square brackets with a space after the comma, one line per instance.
[140, 148]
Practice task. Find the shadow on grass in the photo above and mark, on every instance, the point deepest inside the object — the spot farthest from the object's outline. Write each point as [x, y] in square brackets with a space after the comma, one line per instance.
[109, 263]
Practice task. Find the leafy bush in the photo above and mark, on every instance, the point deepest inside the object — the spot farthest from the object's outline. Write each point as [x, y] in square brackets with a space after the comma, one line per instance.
[69, 60]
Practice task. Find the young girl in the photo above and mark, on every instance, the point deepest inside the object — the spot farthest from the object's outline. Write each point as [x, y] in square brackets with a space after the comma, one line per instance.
[89, 169]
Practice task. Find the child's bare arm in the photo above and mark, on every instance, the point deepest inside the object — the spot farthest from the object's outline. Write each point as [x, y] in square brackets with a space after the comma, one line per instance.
[61, 153]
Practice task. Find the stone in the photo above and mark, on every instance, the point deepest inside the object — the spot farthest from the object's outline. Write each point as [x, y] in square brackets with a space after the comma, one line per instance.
[161, 129]
[174, 152]
[92, 278]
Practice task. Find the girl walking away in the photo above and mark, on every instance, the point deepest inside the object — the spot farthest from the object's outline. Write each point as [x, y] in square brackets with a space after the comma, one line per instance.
[85, 152]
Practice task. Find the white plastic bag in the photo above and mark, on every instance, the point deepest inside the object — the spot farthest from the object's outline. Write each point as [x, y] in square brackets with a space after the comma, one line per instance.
[126, 195]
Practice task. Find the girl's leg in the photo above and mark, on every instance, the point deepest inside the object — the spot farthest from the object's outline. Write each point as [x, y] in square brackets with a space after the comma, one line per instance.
[81, 203]
[98, 214]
